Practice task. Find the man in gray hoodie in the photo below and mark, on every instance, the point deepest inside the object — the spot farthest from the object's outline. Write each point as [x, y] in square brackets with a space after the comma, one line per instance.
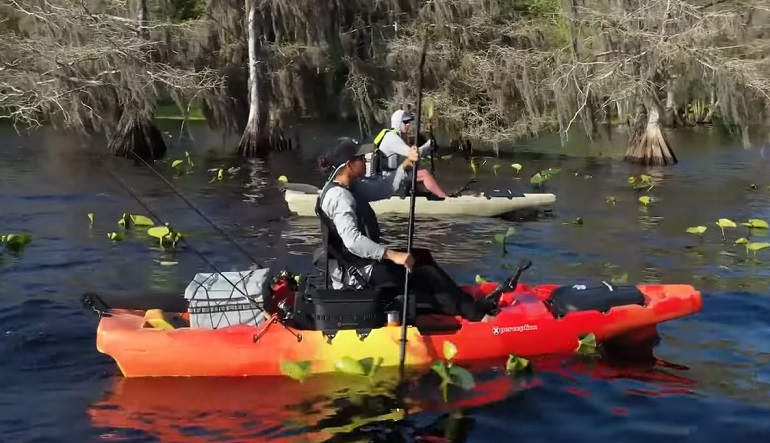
[390, 145]
[351, 231]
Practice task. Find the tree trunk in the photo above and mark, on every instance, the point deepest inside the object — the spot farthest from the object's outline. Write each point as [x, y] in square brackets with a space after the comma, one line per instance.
[137, 136]
[647, 144]
[672, 117]
[255, 141]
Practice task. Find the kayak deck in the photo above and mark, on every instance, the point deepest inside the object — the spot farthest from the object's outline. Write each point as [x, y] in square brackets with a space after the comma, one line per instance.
[301, 199]
[528, 325]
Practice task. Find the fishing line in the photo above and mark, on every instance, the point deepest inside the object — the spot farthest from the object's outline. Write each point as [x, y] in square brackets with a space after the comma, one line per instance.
[151, 212]
[221, 231]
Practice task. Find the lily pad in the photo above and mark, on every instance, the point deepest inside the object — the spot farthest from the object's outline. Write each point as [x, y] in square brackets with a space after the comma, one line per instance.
[299, 370]
[461, 377]
[450, 350]
[516, 364]
[756, 246]
[349, 365]
[696, 230]
[141, 220]
[741, 241]
[755, 223]
[15, 242]
[115, 236]
[516, 167]
[586, 344]
[645, 200]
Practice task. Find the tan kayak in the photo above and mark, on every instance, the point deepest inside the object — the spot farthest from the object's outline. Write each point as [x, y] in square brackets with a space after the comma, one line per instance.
[302, 198]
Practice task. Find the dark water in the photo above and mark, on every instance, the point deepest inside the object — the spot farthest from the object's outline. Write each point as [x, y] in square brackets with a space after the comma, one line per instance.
[57, 388]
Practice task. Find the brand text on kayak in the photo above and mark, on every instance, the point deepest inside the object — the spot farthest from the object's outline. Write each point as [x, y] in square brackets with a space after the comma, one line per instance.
[497, 330]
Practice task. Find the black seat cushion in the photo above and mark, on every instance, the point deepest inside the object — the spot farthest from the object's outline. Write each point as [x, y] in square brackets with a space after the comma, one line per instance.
[601, 297]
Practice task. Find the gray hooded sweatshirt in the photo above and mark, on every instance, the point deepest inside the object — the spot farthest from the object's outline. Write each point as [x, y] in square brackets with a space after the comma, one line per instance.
[393, 147]
[353, 218]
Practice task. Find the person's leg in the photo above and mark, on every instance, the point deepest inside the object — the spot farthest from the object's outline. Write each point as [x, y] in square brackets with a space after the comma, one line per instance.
[426, 178]
[435, 287]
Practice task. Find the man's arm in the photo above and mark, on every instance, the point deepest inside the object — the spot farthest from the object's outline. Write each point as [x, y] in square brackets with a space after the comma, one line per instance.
[393, 144]
[338, 206]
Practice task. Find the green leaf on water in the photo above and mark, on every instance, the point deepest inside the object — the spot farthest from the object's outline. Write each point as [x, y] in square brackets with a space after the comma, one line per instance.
[510, 231]
[349, 365]
[619, 279]
[495, 168]
[283, 179]
[91, 217]
[450, 350]
[726, 223]
[461, 377]
[167, 263]
[115, 236]
[756, 246]
[517, 167]
[189, 158]
[439, 367]
[141, 220]
[645, 200]
[586, 344]
[479, 279]
[755, 223]
[370, 366]
[578, 221]
[516, 364]
[696, 230]
[124, 220]
[536, 180]
[299, 370]
[15, 242]
[741, 241]
[176, 163]
[158, 231]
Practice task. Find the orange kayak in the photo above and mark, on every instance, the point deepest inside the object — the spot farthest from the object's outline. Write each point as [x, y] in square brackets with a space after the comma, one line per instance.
[533, 321]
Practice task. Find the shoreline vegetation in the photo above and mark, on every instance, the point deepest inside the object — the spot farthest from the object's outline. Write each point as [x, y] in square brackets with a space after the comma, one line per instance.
[496, 70]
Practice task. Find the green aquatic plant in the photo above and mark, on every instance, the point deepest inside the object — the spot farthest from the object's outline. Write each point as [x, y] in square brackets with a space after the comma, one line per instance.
[495, 168]
[16, 242]
[755, 223]
[297, 370]
[643, 181]
[611, 199]
[128, 220]
[742, 241]
[539, 178]
[501, 238]
[725, 223]
[165, 235]
[183, 166]
[645, 200]
[516, 167]
[697, 230]
[115, 236]
[586, 344]
[516, 364]
[366, 367]
[578, 221]
[619, 279]
[474, 166]
[91, 218]
[450, 373]
[756, 246]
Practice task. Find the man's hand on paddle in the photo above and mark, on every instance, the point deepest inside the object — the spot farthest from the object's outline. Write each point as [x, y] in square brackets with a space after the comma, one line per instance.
[400, 258]
[414, 155]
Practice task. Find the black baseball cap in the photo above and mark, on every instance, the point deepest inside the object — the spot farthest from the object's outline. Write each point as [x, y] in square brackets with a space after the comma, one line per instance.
[347, 149]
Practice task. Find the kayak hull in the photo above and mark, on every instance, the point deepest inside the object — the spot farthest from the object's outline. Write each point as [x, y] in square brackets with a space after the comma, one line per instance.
[525, 327]
[301, 199]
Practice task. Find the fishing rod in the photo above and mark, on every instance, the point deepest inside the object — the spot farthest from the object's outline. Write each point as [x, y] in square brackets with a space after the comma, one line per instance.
[152, 213]
[410, 235]
[192, 206]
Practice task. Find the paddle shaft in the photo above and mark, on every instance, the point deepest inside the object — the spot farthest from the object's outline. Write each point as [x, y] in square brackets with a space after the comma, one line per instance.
[413, 190]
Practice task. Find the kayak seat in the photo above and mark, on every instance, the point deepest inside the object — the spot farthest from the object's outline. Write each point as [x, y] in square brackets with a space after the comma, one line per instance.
[158, 319]
[602, 298]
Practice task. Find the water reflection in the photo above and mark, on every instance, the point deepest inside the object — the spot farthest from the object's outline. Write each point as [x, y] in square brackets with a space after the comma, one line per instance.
[337, 408]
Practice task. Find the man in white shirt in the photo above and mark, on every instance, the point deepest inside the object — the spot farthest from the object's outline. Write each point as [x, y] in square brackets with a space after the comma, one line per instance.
[390, 144]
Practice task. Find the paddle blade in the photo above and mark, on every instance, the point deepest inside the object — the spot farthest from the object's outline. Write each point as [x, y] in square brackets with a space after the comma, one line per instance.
[429, 106]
